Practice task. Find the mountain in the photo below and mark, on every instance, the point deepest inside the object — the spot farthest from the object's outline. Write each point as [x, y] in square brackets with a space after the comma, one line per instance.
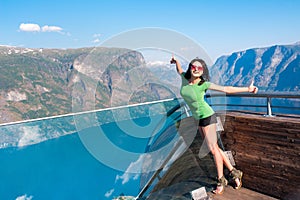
[38, 83]
[47, 82]
[275, 68]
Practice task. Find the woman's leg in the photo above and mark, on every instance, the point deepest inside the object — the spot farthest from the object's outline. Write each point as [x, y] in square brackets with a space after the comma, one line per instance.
[210, 136]
[230, 167]
[226, 161]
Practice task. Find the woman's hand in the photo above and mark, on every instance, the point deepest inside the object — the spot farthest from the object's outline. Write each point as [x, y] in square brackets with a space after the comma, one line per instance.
[173, 61]
[252, 88]
[178, 65]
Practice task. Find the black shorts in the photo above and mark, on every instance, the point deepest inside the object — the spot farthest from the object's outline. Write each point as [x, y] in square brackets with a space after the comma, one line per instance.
[208, 120]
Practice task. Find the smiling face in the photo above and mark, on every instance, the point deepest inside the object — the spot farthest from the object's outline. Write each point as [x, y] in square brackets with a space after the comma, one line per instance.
[196, 69]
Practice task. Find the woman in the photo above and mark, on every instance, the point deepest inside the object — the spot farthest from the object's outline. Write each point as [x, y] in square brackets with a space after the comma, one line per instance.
[195, 82]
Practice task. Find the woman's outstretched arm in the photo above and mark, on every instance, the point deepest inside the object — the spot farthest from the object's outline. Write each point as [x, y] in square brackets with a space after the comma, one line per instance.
[231, 89]
[178, 65]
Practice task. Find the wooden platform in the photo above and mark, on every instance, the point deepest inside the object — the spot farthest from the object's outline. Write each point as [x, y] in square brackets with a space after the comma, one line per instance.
[266, 149]
[243, 194]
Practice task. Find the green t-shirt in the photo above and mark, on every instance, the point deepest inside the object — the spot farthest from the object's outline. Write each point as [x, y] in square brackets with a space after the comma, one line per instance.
[194, 97]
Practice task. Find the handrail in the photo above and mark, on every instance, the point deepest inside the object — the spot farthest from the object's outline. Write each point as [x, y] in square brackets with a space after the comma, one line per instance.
[268, 95]
[260, 94]
[86, 112]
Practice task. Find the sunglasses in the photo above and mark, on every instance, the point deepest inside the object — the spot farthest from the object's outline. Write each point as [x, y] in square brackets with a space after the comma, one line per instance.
[199, 68]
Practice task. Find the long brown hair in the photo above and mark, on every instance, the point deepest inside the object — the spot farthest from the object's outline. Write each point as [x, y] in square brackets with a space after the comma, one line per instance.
[204, 77]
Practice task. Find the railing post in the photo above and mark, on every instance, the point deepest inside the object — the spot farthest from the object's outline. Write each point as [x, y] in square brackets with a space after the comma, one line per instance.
[269, 108]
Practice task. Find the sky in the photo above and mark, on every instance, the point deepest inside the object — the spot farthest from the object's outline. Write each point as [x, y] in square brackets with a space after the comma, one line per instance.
[219, 27]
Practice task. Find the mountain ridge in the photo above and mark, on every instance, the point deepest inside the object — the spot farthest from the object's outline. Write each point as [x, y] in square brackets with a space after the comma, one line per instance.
[268, 67]
[37, 83]
[40, 82]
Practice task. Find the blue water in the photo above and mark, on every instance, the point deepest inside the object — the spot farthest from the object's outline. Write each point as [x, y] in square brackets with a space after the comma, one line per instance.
[53, 159]
[63, 167]
[60, 168]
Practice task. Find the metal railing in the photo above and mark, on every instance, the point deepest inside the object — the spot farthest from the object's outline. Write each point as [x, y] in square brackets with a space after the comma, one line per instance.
[268, 96]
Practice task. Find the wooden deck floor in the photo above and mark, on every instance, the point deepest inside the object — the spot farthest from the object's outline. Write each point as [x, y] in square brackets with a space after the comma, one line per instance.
[241, 194]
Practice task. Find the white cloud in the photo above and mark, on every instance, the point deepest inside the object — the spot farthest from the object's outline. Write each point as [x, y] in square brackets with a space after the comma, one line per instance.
[148, 162]
[30, 27]
[24, 197]
[97, 40]
[109, 193]
[135, 168]
[51, 28]
[96, 35]
[125, 177]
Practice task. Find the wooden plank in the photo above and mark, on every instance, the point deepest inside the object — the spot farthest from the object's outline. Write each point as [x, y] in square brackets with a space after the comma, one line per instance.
[243, 194]
[267, 150]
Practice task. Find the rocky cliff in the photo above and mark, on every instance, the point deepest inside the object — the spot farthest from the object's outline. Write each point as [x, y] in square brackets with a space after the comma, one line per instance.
[275, 68]
[45, 82]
